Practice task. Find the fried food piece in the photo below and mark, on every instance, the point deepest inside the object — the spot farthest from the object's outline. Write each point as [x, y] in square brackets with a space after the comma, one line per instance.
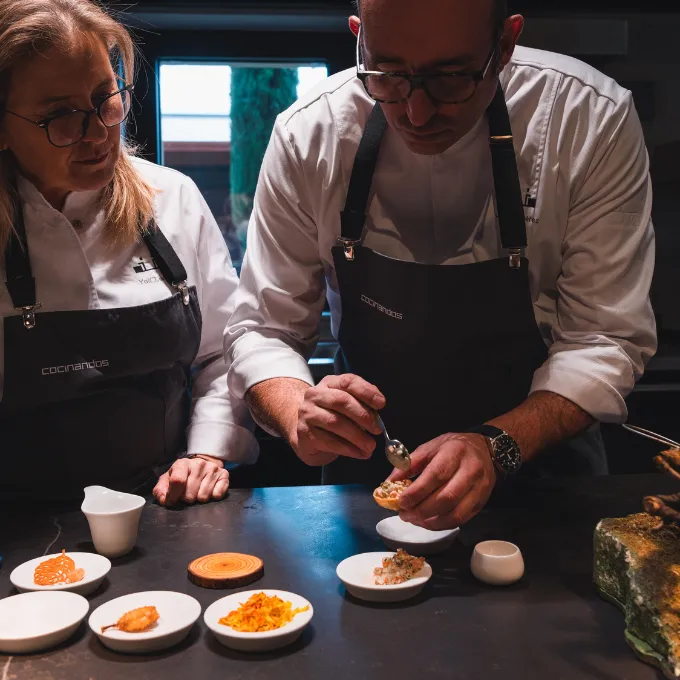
[136, 621]
[60, 569]
[261, 613]
[387, 494]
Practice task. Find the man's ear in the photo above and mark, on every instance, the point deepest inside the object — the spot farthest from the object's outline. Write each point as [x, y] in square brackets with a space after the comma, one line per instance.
[354, 24]
[514, 26]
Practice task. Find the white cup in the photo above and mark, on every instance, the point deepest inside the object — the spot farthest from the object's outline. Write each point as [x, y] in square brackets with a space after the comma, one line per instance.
[113, 518]
[498, 563]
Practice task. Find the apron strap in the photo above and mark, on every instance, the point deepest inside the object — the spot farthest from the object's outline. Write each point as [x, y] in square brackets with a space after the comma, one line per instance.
[509, 206]
[20, 281]
[353, 217]
[166, 259]
[164, 255]
[505, 176]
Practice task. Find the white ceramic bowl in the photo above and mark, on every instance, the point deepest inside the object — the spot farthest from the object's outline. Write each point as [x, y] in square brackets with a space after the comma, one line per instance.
[33, 622]
[96, 568]
[396, 533]
[497, 563]
[356, 573]
[257, 642]
[113, 517]
[178, 613]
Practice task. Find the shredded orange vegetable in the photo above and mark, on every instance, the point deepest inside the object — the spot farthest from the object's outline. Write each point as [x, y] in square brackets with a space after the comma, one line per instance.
[261, 613]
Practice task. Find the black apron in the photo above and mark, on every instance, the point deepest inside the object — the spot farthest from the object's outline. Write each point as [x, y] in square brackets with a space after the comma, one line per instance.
[98, 396]
[450, 346]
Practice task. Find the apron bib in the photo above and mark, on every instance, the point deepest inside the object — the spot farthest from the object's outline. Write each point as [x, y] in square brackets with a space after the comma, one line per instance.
[94, 396]
[450, 346]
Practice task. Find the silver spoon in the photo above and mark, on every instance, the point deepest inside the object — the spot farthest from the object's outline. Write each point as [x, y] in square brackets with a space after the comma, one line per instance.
[395, 451]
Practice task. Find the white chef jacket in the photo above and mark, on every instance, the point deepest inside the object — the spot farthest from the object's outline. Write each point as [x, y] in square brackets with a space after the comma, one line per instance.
[74, 269]
[583, 170]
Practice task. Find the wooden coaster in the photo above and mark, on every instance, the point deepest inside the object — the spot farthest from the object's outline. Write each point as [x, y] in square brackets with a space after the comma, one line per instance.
[225, 570]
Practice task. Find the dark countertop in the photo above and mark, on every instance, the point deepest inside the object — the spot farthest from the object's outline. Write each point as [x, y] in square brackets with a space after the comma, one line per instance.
[551, 625]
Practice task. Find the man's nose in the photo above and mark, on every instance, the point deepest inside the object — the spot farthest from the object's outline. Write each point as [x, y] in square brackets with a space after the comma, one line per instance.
[420, 108]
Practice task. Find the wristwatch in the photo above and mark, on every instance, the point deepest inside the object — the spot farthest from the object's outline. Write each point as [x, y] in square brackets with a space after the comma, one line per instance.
[505, 451]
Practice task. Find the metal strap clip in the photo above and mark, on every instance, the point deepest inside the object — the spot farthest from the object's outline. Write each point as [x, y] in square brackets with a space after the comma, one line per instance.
[184, 289]
[28, 314]
[515, 258]
[348, 245]
[500, 139]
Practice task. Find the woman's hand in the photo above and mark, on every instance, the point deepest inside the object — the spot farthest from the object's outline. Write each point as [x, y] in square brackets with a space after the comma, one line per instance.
[189, 480]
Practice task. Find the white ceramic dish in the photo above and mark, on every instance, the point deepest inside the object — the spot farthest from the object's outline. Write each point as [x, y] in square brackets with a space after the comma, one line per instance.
[257, 642]
[33, 622]
[497, 563]
[113, 518]
[178, 613]
[96, 568]
[396, 533]
[356, 573]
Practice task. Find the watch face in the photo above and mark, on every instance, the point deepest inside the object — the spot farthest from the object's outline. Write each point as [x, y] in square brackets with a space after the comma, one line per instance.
[507, 453]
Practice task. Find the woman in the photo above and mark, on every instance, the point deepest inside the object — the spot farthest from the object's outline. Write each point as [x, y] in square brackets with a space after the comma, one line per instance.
[118, 282]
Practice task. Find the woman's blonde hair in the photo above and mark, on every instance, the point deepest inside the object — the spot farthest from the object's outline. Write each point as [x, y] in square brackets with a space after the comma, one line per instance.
[29, 26]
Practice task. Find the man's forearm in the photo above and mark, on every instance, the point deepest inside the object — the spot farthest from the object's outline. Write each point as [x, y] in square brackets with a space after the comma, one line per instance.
[542, 421]
[274, 404]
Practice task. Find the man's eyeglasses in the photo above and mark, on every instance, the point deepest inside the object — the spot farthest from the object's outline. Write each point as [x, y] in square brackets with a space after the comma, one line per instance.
[68, 128]
[443, 88]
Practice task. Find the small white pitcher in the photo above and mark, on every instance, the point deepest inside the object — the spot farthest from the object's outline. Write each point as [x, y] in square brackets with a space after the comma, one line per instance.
[113, 518]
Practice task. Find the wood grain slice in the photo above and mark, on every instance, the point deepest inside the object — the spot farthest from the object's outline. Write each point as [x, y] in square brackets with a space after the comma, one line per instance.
[225, 570]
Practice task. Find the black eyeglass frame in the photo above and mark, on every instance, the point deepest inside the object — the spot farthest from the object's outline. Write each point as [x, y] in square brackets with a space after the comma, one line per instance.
[45, 122]
[419, 81]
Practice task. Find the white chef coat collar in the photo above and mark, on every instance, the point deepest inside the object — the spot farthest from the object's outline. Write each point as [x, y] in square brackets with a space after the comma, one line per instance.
[77, 202]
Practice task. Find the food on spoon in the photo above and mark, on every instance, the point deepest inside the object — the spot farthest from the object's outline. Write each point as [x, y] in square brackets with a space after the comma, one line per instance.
[61, 569]
[136, 620]
[387, 494]
[261, 613]
[400, 568]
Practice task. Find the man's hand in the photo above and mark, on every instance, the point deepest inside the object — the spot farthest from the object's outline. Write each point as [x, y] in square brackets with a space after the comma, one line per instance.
[457, 476]
[335, 419]
[193, 479]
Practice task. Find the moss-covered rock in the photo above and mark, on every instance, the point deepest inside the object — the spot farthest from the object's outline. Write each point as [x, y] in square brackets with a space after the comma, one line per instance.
[638, 569]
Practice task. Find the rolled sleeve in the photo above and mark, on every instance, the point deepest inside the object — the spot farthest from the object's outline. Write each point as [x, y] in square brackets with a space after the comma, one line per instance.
[605, 331]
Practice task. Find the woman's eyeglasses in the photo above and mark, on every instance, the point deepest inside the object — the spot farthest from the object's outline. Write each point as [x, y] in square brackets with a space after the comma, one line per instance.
[68, 128]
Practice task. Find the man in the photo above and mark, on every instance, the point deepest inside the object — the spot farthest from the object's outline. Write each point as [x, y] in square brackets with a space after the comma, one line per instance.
[479, 358]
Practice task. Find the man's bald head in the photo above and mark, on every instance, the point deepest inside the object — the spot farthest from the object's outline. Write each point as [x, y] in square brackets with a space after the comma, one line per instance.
[498, 10]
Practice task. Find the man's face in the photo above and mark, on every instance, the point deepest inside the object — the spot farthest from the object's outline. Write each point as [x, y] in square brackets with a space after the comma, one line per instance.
[432, 36]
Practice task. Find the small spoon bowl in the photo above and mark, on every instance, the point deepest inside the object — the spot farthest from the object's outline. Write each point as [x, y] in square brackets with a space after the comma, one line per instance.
[397, 454]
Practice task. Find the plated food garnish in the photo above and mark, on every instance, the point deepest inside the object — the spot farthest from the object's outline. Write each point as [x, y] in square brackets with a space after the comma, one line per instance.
[387, 494]
[136, 620]
[400, 568]
[61, 569]
[261, 613]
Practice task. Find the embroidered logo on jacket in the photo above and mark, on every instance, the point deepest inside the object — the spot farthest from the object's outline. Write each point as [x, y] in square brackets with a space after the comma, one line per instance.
[144, 266]
[67, 368]
[380, 308]
[529, 203]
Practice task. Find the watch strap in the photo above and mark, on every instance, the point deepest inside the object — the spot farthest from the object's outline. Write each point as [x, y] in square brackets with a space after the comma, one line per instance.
[488, 430]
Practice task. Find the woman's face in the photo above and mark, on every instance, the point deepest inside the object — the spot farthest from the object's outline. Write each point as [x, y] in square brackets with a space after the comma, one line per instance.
[51, 83]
